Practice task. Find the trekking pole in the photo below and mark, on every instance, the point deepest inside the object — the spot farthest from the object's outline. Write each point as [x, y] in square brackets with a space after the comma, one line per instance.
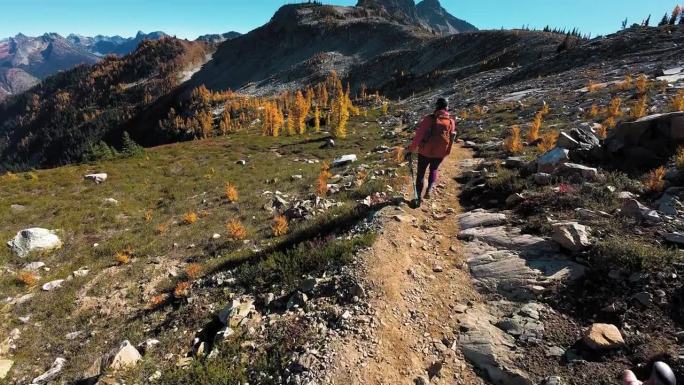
[416, 198]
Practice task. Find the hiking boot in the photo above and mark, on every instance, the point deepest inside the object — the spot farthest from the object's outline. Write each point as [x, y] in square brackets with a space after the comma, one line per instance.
[428, 193]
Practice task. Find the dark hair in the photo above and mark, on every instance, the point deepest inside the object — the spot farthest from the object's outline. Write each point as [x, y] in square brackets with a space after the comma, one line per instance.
[442, 104]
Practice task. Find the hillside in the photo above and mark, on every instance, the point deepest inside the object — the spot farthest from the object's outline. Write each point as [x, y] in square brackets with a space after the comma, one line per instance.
[60, 120]
[25, 61]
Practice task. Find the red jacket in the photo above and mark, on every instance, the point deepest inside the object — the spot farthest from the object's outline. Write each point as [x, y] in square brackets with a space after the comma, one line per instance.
[433, 136]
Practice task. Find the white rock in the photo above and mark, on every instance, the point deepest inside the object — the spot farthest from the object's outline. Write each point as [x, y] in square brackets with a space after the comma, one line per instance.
[82, 272]
[548, 162]
[97, 178]
[5, 367]
[123, 357]
[571, 235]
[110, 201]
[34, 266]
[34, 239]
[344, 160]
[52, 373]
[235, 312]
[52, 285]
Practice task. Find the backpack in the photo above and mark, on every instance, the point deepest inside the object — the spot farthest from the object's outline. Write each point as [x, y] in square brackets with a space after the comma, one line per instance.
[438, 139]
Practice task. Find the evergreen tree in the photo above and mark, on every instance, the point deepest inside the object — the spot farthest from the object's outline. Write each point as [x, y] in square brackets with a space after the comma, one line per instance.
[130, 147]
[665, 20]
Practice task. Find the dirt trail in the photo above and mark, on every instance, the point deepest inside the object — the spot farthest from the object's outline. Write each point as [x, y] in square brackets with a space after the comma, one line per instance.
[418, 283]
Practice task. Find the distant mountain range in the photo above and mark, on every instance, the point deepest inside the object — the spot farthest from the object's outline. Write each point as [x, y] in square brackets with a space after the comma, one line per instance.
[26, 60]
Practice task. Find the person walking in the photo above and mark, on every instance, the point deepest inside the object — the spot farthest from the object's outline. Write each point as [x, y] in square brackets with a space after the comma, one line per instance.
[660, 375]
[434, 138]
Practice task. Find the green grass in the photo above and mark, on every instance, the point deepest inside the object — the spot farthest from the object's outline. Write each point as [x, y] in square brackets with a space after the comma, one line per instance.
[164, 184]
[633, 254]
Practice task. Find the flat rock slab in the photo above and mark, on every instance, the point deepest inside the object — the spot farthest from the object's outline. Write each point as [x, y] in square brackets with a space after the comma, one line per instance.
[507, 273]
[511, 239]
[480, 218]
[34, 239]
[489, 348]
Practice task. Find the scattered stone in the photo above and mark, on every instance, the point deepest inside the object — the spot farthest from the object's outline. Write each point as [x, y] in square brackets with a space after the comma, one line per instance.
[542, 179]
[110, 201]
[437, 268]
[296, 177]
[514, 199]
[80, 273]
[632, 208]
[233, 314]
[125, 356]
[644, 298]
[97, 178]
[52, 373]
[241, 162]
[16, 209]
[577, 170]
[603, 337]
[555, 380]
[344, 160]
[555, 351]
[73, 335]
[571, 236]
[5, 367]
[675, 237]
[34, 266]
[34, 239]
[422, 380]
[52, 285]
[297, 300]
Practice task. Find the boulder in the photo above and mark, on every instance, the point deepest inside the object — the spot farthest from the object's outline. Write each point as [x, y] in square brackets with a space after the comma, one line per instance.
[571, 236]
[549, 161]
[511, 239]
[233, 314]
[571, 170]
[51, 373]
[124, 356]
[603, 337]
[344, 160]
[34, 266]
[34, 239]
[97, 178]
[633, 209]
[676, 238]
[52, 285]
[567, 141]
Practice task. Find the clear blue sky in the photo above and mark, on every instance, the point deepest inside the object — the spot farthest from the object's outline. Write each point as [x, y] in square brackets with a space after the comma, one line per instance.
[190, 18]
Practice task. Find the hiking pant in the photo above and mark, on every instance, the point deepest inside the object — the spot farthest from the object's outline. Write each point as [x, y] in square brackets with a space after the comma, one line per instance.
[423, 163]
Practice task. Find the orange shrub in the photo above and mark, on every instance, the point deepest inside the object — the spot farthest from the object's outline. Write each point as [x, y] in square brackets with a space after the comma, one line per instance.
[614, 107]
[533, 134]
[677, 101]
[27, 278]
[602, 131]
[162, 228]
[190, 218]
[231, 193]
[548, 141]
[122, 258]
[655, 180]
[593, 111]
[397, 154]
[280, 226]
[592, 86]
[149, 214]
[513, 143]
[322, 181]
[627, 83]
[157, 300]
[545, 109]
[182, 289]
[236, 230]
[640, 107]
[193, 270]
[642, 84]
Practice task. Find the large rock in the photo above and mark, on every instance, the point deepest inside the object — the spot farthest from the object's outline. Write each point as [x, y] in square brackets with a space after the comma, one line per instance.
[51, 373]
[236, 311]
[344, 160]
[97, 178]
[574, 170]
[480, 218]
[603, 337]
[125, 356]
[548, 162]
[34, 239]
[647, 142]
[571, 236]
[633, 209]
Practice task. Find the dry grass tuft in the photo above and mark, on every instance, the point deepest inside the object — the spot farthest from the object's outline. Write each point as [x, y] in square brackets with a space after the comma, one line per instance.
[592, 86]
[149, 214]
[236, 230]
[27, 278]
[280, 226]
[533, 133]
[231, 193]
[190, 218]
[513, 143]
[593, 112]
[627, 83]
[122, 258]
[162, 228]
[655, 180]
[640, 107]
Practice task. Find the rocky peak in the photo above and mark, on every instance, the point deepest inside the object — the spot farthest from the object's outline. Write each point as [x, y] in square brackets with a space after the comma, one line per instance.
[395, 8]
[432, 15]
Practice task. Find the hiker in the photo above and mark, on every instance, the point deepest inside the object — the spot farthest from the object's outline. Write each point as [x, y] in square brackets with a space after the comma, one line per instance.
[661, 375]
[435, 135]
